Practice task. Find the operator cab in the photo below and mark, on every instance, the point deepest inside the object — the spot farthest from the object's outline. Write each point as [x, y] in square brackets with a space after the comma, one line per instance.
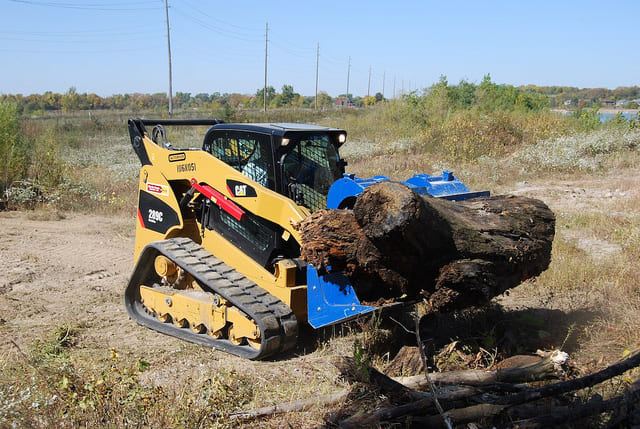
[298, 161]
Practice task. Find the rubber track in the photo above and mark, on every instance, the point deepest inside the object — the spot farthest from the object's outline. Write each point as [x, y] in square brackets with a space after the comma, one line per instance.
[277, 323]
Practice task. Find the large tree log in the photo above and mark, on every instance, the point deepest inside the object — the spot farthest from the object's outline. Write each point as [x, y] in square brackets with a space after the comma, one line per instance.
[456, 254]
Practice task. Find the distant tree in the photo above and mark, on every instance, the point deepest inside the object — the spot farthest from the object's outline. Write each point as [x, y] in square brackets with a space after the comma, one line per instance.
[159, 100]
[182, 99]
[271, 93]
[435, 99]
[297, 101]
[201, 98]
[93, 101]
[463, 95]
[70, 100]
[324, 100]
[287, 95]
[369, 100]
[238, 100]
[50, 101]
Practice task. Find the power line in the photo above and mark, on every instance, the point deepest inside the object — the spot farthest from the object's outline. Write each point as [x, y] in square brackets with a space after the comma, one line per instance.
[299, 54]
[348, 76]
[317, 64]
[53, 51]
[266, 44]
[112, 6]
[83, 33]
[221, 32]
[48, 40]
[250, 31]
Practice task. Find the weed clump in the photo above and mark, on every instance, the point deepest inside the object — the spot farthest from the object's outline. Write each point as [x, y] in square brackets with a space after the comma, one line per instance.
[44, 388]
[585, 152]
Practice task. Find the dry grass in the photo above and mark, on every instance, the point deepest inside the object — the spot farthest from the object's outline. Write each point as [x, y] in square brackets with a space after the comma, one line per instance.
[587, 301]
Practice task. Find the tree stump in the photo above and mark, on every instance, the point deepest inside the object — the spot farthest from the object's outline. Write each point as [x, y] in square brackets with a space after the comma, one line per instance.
[398, 243]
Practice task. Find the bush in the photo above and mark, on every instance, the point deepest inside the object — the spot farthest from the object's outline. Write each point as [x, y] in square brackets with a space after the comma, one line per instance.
[468, 136]
[14, 162]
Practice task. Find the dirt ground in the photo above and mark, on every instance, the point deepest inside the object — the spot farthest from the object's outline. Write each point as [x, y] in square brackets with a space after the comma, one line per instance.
[72, 269]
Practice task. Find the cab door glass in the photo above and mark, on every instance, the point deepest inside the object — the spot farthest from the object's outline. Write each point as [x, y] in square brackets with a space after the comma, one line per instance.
[309, 169]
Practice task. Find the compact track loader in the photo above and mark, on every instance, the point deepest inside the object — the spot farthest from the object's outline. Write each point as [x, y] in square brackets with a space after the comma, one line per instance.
[217, 247]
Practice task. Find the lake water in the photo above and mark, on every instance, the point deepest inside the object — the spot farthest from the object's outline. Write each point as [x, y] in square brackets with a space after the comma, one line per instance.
[604, 117]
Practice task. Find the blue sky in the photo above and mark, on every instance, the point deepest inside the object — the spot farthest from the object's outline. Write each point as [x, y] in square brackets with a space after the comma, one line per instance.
[109, 47]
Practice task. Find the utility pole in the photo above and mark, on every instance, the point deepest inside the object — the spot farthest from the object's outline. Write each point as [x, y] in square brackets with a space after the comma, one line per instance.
[384, 78]
[166, 10]
[369, 84]
[348, 75]
[317, 62]
[266, 41]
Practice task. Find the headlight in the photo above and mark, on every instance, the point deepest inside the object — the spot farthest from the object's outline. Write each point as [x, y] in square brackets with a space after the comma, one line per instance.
[342, 138]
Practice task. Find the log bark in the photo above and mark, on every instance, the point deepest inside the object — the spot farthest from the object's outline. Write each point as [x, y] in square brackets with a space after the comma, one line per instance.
[396, 242]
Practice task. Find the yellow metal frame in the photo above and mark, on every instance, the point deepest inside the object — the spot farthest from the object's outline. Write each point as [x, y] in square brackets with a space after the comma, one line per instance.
[170, 165]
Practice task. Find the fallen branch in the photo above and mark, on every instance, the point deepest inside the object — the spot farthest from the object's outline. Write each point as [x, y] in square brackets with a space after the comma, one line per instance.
[287, 407]
[388, 386]
[421, 406]
[444, 418]
[549, 367]
[483, 405]
[571, 385]
[579, 412]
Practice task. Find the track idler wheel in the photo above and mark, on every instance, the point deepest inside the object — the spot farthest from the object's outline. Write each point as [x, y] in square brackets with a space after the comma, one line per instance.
[166, 268]
[237, 338]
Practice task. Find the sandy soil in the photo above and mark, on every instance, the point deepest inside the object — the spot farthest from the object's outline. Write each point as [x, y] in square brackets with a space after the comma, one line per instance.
[70, 270]
[74, 271]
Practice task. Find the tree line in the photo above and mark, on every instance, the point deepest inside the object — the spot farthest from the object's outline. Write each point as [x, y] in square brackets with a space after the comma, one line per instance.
[72, 100]
[463, 93]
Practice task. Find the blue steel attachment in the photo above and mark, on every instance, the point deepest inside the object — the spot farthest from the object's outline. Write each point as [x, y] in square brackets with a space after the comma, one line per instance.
[343, 192]
[331, 299]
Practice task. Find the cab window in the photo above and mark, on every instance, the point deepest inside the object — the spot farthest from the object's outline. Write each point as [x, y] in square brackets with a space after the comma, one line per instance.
[246, 152]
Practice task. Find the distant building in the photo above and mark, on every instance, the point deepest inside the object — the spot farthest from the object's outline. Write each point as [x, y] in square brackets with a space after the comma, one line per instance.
[609, 103]
[344, 102]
